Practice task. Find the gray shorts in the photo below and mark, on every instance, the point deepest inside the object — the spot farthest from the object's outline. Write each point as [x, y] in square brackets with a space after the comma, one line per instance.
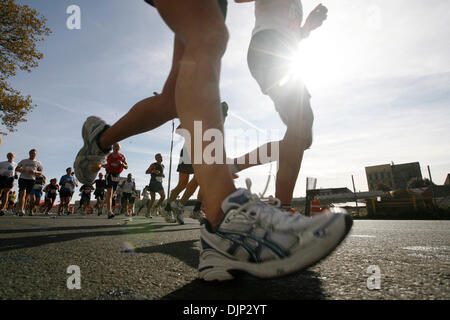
[268, 62]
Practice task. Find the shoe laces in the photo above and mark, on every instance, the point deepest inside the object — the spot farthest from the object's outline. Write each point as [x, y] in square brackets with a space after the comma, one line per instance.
[266, 215]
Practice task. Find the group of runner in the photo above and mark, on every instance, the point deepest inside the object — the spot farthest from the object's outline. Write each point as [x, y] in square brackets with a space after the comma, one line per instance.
[31, 182]
[32, 185]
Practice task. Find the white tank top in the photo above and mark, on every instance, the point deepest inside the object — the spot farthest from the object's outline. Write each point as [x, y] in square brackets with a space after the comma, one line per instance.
[282, 15]
[128, 186]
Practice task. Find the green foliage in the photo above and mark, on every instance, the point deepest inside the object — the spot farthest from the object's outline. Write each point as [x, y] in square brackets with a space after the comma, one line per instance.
[380, 186]
[21, 28]
[418, 183]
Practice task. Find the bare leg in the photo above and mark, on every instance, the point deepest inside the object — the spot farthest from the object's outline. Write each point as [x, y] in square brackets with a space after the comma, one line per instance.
[190, 189]
[201, 26]
[22, 197]
[4, 197]
[296, 139]
[150, 204]
[151, 112]
[183, 179]
[109, 194]
[162, 196]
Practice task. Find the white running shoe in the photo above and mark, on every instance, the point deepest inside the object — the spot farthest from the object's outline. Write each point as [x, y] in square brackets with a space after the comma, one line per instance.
[90, 156]
[168, 216]
[261, 240]
[178, 208]
[197, 214]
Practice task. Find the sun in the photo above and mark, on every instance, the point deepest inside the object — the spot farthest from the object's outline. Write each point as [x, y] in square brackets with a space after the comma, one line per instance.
[315, 63]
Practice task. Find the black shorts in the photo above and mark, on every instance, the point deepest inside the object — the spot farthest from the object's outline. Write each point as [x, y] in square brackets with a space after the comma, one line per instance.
[185, 168]
[65, 193]
[155, 186]
[51, 196]
[6, 182]
[26, 184]
[85, 200]
[112, 181]
[99, 194]
[127, 196]
[223, 4]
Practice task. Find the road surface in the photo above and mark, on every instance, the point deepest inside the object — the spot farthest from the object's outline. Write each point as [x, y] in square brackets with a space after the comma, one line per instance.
[152, 259]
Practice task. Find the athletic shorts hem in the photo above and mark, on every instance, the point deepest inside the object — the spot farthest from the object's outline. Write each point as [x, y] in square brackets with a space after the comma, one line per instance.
[26, 184]
[6, 182]
[185, 168]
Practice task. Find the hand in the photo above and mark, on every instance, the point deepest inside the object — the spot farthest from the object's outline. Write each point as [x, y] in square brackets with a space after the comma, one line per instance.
[156, 171]
[315, 18]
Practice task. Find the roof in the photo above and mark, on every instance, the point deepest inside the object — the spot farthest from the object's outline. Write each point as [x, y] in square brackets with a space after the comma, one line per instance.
[447, 180]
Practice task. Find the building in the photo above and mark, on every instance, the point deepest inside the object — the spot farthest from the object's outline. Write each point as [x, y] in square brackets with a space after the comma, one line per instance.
[379, 174]
[402, 173]
[395, 176]
[447, 180]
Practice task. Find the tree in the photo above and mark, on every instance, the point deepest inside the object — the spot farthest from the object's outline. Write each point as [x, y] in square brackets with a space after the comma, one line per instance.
[418, 183]
[380, 186]
[21, 28]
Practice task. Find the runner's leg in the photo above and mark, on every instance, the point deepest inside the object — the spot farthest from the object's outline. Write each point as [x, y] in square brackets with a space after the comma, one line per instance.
[183, 179]
[200, 24]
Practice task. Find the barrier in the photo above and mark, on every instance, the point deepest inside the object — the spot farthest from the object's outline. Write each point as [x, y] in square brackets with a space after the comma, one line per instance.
[315, 207]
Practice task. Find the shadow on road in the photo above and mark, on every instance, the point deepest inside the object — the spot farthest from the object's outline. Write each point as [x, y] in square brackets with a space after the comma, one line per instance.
[302, 286]
[186, 251]
[15, 243]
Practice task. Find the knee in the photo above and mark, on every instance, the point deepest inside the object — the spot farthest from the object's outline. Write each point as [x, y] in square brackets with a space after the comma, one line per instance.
[300, 127]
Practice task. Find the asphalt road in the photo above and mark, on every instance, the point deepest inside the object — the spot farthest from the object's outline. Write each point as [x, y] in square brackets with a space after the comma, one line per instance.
[152, 259]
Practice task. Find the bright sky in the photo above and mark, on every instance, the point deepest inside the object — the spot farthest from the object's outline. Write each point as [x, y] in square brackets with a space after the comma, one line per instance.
[378, 71]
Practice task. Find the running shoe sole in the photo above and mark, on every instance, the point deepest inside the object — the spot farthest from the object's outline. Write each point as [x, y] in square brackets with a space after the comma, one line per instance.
[81, 156]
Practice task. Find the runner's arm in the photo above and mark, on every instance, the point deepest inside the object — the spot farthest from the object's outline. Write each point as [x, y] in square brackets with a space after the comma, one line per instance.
[19, 168]
[314, 20]
[150, 169]
[39, 170]
[124, 163]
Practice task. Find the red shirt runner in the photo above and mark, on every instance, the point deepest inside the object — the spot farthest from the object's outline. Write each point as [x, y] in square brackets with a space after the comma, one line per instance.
[114, 164]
